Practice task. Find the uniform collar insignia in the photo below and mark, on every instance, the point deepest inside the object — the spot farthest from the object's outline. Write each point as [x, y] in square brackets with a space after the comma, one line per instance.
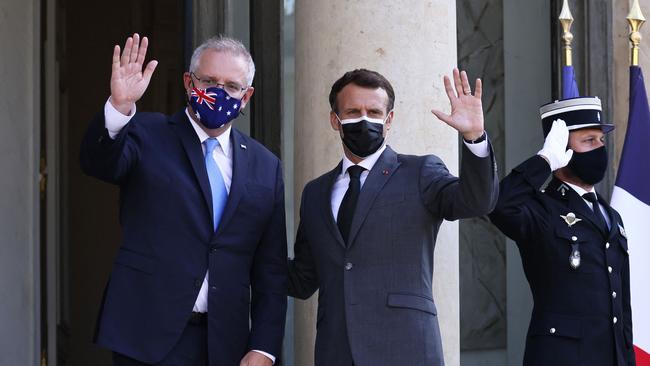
[570, 219]
[622, 230]
[563, 188]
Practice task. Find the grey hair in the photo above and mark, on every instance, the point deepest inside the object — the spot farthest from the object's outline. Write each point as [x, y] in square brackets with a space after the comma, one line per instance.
[224, 44]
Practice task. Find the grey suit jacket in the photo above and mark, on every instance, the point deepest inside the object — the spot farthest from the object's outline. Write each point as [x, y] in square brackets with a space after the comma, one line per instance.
[375, 305]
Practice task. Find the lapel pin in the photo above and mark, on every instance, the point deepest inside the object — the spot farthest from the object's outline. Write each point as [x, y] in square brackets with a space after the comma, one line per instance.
[242, 146]
[384, 172]
[570, 219]
[563, 188]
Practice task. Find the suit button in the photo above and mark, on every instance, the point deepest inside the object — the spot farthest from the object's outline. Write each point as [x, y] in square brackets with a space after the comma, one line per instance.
[552, 330]
[615, 320]
[614, 294]
[213, 249]
[574, 238]
[213, 288]
[198, 283]
[607, 245]
[348, 266]
[609, 269]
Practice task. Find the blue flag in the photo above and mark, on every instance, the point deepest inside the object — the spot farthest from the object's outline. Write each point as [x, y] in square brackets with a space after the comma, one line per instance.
[569, 85]
[634, 170]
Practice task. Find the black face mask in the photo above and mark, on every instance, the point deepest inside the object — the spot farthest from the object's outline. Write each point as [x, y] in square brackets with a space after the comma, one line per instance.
[362, 136]
[589, 166]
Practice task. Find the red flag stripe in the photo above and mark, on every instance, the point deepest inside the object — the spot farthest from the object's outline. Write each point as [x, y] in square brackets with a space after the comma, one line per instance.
[642, 357]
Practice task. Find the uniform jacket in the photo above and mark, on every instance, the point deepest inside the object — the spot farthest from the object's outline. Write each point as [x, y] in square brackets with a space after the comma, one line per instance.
[169, 241]
[580, 316]
[375, 304]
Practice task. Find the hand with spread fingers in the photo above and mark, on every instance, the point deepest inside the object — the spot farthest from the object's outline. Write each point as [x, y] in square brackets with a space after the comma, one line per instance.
[128, 80]
[555, 150]
[466, 108]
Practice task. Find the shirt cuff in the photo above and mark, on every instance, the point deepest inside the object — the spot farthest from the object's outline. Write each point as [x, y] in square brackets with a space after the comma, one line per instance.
[266, 354]
[480, 149]
[115, 120]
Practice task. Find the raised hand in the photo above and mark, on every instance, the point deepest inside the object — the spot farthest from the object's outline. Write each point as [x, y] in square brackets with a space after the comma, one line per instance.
[128, 80]
[466, 109]
[555, 146]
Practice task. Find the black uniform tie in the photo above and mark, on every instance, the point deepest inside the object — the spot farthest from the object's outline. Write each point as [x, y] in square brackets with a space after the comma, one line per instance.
[349, 203]
[600, 219]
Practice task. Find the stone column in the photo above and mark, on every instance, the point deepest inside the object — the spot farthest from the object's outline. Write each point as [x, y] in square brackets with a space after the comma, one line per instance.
[413, 46]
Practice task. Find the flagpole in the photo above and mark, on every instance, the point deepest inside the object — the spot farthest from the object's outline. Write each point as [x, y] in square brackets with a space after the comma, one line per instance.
[636, 20]
[566, 19]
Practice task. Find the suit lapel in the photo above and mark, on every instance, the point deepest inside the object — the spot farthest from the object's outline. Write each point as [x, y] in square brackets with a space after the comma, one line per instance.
[192, 146]
[326, 203]
[380, 173]
[239, 177]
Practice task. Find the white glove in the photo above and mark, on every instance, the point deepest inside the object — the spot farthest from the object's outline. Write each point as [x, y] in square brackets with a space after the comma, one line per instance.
[555, 146]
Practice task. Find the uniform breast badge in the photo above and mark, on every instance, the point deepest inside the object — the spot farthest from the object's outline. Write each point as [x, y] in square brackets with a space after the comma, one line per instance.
[574, 258]
[570, 219]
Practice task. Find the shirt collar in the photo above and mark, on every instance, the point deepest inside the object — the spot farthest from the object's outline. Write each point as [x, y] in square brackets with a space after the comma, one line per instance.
[368, 162]
[579, 190]
[224, 138]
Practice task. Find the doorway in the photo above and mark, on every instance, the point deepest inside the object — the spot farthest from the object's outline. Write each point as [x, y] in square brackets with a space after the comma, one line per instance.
[81, 218]
[90, 231]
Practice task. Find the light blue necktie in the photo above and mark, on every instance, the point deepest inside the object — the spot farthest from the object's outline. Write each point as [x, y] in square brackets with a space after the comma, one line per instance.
[219, 193]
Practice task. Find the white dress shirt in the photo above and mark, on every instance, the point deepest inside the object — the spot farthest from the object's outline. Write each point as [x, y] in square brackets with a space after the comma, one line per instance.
[581, 191]
[115, 121]
[342, 181]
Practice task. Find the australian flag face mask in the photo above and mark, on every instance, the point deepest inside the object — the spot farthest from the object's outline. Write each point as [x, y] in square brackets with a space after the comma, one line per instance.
[213, 107]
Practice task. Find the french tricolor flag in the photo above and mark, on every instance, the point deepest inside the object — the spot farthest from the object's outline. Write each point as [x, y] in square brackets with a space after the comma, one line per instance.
[631, 198]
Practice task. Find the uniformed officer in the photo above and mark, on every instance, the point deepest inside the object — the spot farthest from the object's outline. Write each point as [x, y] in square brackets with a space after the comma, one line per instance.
[572, 243]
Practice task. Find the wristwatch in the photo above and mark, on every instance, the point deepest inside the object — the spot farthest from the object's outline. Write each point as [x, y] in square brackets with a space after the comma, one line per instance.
[482, 138]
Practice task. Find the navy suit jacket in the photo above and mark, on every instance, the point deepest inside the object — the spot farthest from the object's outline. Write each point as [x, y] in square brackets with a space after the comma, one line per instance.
[169, 242]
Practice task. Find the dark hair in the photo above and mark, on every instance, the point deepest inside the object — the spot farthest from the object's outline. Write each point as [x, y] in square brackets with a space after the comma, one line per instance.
[363, 78]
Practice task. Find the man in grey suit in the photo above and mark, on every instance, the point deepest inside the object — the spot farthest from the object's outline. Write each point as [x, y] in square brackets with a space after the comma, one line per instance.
[368, 228]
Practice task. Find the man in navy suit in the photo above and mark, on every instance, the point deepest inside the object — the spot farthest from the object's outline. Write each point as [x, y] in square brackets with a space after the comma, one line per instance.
[202, 212]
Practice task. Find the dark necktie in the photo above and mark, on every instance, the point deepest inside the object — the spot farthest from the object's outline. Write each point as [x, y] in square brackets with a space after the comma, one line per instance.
[600, 219]
[349, 203]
